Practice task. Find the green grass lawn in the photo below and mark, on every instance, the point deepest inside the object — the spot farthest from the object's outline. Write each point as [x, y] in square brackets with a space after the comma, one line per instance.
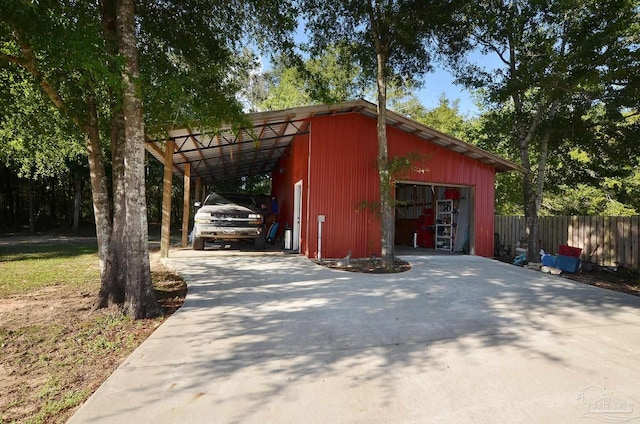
[55, 350]
[28, 266]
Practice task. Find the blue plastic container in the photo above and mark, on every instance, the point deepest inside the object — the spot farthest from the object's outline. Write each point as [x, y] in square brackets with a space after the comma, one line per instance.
[567, 263]
[549, 260]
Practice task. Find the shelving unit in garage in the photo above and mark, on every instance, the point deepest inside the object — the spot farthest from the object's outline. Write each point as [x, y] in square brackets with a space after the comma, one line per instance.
[445, 224]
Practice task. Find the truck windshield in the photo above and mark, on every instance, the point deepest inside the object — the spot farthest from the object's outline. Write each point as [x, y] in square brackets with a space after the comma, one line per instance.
[216, 199]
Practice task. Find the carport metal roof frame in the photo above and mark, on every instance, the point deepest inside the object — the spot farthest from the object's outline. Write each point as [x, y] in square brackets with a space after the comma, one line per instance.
[230, 152]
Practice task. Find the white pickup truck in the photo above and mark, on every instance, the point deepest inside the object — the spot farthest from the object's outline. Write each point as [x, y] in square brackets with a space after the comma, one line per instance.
[229, 217]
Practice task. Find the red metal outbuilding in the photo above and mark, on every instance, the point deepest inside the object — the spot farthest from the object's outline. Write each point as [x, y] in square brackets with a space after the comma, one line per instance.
[323, 161]
[335, 171]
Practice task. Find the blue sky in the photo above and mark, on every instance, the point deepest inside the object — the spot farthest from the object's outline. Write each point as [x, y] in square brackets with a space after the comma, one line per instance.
[441, 81]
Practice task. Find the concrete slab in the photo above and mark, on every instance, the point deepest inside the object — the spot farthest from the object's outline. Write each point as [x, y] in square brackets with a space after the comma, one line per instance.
[278, 339]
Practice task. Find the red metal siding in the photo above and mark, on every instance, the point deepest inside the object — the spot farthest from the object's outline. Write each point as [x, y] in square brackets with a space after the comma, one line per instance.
[343, 176]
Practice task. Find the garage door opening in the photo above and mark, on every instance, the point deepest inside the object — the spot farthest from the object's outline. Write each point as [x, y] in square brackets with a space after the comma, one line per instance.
[435, 217]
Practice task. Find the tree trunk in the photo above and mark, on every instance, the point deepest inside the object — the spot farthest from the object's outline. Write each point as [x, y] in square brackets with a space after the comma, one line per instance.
[530, 202]
[531, 217]
[386, 202]
[32, 207]
[101, 206]
[387, 221]
[77, 203]
[140, 301]
[523, 138]
[118, 246]
[533, 183]
[53, 196]
[7, 212]
[113, 291]
[533, 190]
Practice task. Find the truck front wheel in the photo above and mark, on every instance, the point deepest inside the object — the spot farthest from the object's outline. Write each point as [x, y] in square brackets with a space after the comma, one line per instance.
[260, 242]
[198, 243]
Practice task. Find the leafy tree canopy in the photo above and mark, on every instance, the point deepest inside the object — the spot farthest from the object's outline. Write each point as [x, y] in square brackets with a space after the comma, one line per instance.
[329, 78]
[36, 141]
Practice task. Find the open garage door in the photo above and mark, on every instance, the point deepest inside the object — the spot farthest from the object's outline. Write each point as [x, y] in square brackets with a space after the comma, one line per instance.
[434, 216]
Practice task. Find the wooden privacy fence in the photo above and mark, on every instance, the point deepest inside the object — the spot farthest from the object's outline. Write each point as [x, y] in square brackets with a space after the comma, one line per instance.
[616, 237]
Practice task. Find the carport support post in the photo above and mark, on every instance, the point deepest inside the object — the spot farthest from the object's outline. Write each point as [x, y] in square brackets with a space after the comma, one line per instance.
[165, 232]
[198, 190]
[186, 204]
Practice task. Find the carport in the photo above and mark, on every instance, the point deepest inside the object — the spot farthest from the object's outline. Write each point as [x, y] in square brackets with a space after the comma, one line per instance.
[322, 177]
[205, 155]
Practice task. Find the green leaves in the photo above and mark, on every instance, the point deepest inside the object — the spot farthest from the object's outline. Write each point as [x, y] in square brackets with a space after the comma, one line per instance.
[405, 31]
[191, 59]
[193, 72]
[330, 78]
[35, 139]
[562, 80]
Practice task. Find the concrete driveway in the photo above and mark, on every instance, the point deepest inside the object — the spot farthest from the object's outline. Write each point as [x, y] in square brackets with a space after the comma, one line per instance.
[458, 339]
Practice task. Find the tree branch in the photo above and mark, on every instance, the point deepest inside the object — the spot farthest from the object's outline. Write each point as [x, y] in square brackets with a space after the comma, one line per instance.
[29, 63]
[490, 46]
[12, 59]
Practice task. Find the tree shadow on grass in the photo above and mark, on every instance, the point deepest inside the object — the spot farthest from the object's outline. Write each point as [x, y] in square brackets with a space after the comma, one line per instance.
[19, 248]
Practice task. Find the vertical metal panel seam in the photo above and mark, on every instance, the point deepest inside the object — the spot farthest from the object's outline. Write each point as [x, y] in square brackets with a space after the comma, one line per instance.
[308, 211]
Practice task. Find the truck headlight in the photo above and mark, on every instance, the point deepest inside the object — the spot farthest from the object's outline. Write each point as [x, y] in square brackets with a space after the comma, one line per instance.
[255, 218]
[202, 218]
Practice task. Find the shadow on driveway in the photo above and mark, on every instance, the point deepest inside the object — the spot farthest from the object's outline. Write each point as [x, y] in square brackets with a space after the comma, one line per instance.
[276, 338]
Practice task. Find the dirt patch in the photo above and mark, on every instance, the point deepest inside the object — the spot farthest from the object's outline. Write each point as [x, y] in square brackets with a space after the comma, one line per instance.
[56, 351]
[621, 280]
[369, 266]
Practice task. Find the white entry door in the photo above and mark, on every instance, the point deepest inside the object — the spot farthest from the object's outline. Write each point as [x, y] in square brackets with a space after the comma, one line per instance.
[297, 215]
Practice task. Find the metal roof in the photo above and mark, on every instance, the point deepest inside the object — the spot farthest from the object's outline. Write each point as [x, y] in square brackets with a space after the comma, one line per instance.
[255, 149]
